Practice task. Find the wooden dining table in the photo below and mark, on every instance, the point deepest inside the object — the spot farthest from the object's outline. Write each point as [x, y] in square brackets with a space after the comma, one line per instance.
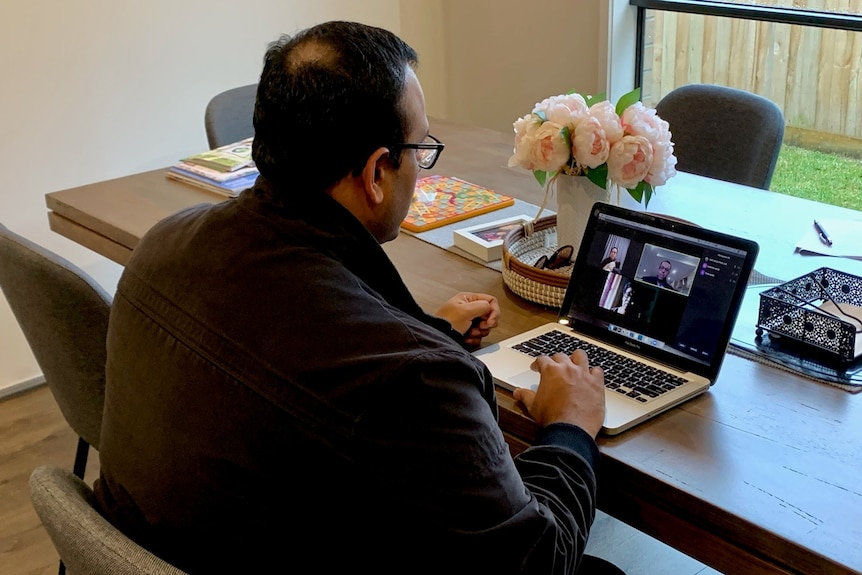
[760, 475]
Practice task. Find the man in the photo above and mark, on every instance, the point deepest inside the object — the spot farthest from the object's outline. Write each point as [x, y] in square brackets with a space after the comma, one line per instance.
[610, 263]
[625, 300]
[276, 399]
[660, 279]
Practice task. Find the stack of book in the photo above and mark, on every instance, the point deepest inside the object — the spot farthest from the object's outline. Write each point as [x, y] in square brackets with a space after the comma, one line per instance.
[227, 170]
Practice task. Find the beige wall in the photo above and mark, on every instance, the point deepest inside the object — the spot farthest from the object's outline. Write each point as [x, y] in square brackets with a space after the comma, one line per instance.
[95, 89]
[423, 27]
[487, 62]
[504, 56]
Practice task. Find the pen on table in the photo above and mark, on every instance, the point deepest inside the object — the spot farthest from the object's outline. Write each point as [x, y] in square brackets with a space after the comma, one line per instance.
[824, 237]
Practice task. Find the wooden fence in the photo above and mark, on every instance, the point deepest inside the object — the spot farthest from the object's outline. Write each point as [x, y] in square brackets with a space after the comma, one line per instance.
[813, 74]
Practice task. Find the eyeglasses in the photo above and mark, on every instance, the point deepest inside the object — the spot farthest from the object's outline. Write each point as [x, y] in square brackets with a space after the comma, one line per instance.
[426, 153]
[664, 268]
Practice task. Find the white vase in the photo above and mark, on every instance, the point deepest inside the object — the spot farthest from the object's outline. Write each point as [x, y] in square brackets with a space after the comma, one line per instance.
[575, 198]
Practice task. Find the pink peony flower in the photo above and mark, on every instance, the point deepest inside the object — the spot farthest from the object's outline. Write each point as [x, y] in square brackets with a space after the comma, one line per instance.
[564, 110]
[629, 161]
[639, 120]
[523, 126]
[663, 163]
[547, 150]
[590, 145]
[605, 113]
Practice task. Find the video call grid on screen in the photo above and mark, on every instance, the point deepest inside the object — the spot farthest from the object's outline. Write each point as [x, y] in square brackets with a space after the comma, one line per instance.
[678, 310]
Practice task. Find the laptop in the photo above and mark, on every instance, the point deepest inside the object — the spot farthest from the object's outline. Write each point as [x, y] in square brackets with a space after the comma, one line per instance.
[650, 299]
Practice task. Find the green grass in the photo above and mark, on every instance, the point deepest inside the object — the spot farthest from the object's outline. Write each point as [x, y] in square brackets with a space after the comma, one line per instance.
[827, 178]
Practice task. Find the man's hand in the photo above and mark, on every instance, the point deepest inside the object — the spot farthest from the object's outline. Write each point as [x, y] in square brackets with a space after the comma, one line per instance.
[472, 314]
[570, 391]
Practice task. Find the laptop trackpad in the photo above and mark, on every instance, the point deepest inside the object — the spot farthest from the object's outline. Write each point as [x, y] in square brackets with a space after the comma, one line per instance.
[528, 379]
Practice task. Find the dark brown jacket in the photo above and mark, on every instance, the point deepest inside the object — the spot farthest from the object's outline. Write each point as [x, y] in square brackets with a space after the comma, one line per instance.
[278, 402]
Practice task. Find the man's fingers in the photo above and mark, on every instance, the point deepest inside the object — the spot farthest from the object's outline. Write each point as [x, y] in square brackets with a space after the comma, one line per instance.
[525, 396]
[579, 357]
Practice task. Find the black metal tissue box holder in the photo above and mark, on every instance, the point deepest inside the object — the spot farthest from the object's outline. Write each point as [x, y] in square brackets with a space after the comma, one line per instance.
[791, 310]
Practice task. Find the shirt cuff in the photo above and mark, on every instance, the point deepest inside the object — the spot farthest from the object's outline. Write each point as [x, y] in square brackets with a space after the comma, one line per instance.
[446, 327]
[572, 437]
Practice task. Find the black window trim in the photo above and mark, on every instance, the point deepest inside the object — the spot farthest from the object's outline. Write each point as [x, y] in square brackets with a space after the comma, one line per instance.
[816, 18]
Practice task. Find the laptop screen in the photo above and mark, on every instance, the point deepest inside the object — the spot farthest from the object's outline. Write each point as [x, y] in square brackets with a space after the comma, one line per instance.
[665, 289]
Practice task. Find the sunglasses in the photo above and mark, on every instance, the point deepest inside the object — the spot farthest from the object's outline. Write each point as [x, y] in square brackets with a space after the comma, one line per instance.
[560, 258]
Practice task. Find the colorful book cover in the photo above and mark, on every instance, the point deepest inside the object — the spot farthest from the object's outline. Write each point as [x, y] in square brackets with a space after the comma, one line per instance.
[229, 188]
[214, 175]
[442, 200]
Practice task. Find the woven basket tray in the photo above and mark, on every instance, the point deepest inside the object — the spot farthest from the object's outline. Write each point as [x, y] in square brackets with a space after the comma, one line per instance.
[521, 249]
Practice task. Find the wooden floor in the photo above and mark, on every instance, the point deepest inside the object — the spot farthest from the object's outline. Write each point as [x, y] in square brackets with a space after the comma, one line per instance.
[33, 432]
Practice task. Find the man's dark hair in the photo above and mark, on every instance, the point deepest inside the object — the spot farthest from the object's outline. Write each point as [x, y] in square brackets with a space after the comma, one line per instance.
[327, 98]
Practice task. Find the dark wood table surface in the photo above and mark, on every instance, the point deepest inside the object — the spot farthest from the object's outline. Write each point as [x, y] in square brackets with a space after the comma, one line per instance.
[762, 474]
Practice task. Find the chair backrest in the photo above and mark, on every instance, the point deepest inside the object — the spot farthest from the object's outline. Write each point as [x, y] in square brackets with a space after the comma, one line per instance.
[63, 313]
[724, 133]
[87, 542]
[228, 116]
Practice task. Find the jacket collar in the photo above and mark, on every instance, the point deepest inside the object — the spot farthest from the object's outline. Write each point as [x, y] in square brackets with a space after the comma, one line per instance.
[320, 222]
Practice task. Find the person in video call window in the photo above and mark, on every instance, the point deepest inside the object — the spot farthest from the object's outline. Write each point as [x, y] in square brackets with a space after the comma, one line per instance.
[610, 263]
[660, 279]
[625, 300]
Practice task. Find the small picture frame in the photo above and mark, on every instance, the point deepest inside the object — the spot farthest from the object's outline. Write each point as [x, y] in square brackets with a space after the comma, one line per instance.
[485, 241]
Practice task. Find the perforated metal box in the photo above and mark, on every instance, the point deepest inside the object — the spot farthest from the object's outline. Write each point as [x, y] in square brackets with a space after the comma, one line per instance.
[794, 310]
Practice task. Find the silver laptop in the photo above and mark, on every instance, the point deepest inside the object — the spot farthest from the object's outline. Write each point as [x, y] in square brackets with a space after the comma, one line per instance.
[652, 300]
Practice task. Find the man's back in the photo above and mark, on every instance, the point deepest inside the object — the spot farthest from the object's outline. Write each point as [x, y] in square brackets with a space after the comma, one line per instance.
[268, 406]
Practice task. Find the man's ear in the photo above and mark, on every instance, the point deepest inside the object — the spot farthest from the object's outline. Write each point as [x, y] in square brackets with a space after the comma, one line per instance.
[375, 175]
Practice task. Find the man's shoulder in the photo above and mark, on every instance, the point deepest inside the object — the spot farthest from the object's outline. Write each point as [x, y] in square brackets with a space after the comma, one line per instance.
[179, 223]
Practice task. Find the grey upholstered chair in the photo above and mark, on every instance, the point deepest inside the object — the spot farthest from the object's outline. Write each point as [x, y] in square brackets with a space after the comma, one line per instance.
[724, 133]
[87, 543]
[228, 116]
[63, 313]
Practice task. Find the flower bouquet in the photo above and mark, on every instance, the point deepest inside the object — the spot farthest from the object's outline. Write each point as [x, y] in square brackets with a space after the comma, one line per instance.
[627, 145]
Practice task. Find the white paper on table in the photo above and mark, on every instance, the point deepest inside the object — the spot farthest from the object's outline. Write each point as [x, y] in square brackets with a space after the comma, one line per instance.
[850, 313]
[846, 236]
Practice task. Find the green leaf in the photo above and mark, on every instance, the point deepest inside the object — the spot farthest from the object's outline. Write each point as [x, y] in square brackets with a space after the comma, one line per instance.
[590, 100]
[596, 98]
[648, 193]
[627, 100]
[599, 176]
[566, 133]
[540, 176]
[641, 193]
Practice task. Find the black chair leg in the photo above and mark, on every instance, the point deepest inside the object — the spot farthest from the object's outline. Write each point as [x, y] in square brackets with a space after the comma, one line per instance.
[81, 458]
[78, 469]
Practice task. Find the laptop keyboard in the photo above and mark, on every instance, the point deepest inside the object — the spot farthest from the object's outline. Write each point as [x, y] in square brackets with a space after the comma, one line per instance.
[624, 375]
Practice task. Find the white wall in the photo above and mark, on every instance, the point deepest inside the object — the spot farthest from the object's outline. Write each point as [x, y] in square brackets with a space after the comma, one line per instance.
[95, 89]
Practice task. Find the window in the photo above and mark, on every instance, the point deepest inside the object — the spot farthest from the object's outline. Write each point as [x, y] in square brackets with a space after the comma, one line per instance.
[805, 56]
